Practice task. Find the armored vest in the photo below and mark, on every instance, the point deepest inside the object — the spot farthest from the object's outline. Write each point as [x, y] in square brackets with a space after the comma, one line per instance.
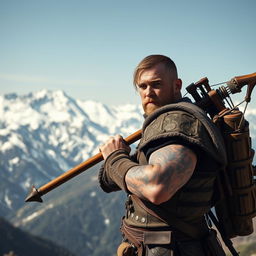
[182, 123]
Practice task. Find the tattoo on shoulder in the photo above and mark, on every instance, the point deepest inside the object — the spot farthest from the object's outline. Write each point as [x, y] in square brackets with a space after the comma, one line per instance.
[176, 161]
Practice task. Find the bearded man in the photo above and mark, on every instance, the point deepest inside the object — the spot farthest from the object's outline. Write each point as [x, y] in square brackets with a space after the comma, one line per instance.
[170, 179]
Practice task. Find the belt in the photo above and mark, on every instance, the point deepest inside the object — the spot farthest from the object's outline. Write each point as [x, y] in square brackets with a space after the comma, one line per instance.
[140, 237]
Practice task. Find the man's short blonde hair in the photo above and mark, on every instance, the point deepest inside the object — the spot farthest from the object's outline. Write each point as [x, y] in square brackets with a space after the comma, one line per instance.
[152, 60]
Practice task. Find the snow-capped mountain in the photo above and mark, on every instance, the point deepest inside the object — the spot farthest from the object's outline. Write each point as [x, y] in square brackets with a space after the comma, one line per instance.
[45, 133]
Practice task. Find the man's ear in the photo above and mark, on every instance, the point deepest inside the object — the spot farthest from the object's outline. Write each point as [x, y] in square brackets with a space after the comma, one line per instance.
[177, 88]
[178, 84]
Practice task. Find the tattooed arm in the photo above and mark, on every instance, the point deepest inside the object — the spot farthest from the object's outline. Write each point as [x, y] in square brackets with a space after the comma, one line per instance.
[168, 170]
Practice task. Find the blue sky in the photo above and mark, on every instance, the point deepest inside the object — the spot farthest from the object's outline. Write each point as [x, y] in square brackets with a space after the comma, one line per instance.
[89, 49]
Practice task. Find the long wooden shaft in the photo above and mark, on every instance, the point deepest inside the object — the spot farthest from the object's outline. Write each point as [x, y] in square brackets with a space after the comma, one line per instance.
[35, 194]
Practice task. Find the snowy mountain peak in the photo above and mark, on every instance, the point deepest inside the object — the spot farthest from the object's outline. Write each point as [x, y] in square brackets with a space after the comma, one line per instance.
[45, 133]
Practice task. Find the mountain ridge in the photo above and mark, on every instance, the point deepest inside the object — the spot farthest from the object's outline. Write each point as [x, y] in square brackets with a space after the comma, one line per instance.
[17, 241]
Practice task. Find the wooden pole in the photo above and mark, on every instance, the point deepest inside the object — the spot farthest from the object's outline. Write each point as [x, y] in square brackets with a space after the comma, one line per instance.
[35, 194]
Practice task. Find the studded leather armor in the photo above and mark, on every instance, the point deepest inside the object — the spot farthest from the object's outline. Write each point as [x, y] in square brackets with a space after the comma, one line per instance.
[182, 123]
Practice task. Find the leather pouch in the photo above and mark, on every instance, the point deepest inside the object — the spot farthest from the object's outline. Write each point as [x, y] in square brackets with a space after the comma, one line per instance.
[157, 237]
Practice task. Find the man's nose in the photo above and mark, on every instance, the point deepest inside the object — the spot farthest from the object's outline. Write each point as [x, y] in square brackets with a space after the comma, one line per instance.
[149, 91]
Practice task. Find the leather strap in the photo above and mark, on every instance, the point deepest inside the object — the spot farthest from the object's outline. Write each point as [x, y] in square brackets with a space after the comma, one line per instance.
[171, 220]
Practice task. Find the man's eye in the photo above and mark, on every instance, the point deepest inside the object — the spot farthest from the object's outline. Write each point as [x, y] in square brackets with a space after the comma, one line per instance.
[156, 84]
[142, 86]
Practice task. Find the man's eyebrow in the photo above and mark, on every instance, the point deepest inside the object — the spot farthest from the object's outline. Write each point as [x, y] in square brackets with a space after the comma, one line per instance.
[150, 81]
[156, 80]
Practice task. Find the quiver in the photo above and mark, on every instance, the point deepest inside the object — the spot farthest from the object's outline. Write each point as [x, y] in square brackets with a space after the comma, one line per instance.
[236, 206]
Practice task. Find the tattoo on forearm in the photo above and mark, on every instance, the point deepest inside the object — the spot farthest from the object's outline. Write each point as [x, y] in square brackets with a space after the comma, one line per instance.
[170, 167]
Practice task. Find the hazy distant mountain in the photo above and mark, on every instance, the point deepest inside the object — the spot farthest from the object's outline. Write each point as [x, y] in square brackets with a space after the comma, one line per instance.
[42, 135]
[22, 244]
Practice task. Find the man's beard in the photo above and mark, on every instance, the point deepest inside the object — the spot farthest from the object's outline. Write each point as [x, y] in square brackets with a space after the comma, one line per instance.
[150, 108]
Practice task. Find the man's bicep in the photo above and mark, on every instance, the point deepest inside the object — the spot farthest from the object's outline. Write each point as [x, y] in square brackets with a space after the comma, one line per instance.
[169, 168]
[177, 162]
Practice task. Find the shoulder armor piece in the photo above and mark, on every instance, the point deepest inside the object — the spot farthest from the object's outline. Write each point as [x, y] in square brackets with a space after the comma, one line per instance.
[187, 122]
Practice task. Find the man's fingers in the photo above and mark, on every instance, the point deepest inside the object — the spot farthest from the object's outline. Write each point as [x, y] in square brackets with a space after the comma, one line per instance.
[114, 143]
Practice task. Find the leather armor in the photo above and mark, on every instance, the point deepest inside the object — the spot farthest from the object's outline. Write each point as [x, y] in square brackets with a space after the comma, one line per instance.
[182, 123]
